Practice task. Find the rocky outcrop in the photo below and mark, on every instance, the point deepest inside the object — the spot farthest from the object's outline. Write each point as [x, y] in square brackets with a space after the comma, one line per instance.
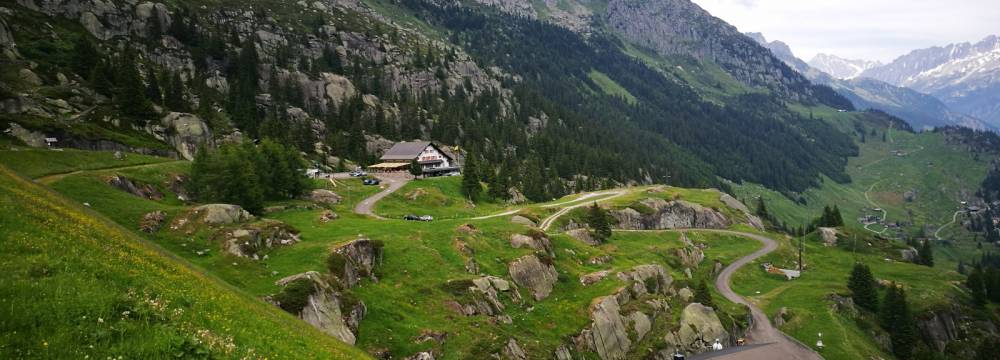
[358, 259]
[752, 220]
[185, 132]
[676, 214]
[321, 305]
[690, 256]
[652, 279]
[521, 220]
[909, 254]
[252, 240]
[481, 296]
[700, 327]
[535, 240]
[534, 274]
[513, 351]
[594, 277]
[145, 191]
[323, 196]
[28, 137]
[583, 235]
[828, 235]
[938, 328]
[220, 214]
[608, 335]
[151, 222]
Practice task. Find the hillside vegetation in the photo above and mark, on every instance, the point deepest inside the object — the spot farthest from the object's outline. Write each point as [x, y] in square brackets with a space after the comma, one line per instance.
[78, 286]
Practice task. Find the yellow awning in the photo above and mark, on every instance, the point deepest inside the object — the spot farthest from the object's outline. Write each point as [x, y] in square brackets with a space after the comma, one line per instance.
[388, 166]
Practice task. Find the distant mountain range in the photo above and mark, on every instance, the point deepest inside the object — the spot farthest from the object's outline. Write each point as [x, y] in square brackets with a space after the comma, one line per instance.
[841, 68]
[965, 76]
[851, 79]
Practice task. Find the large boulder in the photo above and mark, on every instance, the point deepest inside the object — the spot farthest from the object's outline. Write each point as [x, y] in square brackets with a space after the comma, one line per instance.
[909, 254]
[323, 196]
[584, 236]
[28, 137]
[676, 214]
[186, 132]
[608, 334]
[829, 236]
[313, 299]
[700, 327]
[145, 191]
[531, 272]
[535, 240]
[222, 214]
[938, 328]
[358, 260]
[252, 240]
[690, 256]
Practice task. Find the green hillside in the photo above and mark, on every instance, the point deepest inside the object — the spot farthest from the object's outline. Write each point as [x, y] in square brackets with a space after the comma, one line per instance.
[79, 286]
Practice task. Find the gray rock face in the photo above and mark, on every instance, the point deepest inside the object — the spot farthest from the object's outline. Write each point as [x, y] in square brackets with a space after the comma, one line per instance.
[360, 259]
[28, 137]
[939, 328]
[608, 334]
[185, 132]
[909, 254]
[530, 272]
[690, 256]
[222, 214]
[326, 309]
[700, 326]
[252, 240]
[145, 191]
[513, 351]
[484, 297]
[680, 27]
[594, 277]
[654, 279]
[677, 214]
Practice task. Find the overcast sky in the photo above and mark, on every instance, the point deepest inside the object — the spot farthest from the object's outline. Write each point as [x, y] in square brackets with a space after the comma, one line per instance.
[861, 29]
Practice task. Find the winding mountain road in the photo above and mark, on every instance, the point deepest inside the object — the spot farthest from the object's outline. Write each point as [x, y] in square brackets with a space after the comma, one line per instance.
[367, 206]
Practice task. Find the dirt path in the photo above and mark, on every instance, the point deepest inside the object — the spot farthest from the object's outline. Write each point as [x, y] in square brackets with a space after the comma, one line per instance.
[48, 179]
[954, 218]
[777, 345]
[547, 223]
[579, 199]
[366, 206]
[885, 214]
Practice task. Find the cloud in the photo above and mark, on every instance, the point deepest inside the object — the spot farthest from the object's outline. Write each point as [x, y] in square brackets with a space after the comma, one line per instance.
[864, 29]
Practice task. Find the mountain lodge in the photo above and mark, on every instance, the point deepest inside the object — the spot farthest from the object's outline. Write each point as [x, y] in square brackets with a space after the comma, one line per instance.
[433, 161]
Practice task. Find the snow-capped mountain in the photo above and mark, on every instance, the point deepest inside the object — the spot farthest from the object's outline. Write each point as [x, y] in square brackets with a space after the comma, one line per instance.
[965, 76]
[920, 110]
[841, 68]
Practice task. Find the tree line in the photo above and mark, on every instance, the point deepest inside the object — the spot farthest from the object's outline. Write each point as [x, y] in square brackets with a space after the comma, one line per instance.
[248, 174]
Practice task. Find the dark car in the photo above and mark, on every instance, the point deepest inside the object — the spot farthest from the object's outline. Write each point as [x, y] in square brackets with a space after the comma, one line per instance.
[411, 217]
[371, 182]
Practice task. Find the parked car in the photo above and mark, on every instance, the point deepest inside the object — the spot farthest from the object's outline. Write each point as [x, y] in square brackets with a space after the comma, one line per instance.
[426, 218]
[411, 217]
[358, 173]
[372, 181]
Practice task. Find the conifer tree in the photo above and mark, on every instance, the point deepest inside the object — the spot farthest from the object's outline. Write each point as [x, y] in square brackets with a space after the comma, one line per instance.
[131, 92]
[863, 287]
[85, 56]
[415, 168]
[977, 285]
[600, 227]
[153, 92]
[702, 295]
[470, 178]
[926, 254]
[898, 321]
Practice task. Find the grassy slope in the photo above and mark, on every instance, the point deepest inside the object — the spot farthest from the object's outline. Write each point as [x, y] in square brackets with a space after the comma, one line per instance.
[420, 258]
[827, 271]
[35, 163]
[78, 285]
[610, 87]
[439, 199]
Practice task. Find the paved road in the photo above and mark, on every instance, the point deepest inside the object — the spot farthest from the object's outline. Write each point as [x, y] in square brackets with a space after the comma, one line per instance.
[954, 218]
[777, 345]
[392, 184]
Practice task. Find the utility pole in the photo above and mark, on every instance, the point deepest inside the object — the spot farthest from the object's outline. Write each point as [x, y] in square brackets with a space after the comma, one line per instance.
[800, 255]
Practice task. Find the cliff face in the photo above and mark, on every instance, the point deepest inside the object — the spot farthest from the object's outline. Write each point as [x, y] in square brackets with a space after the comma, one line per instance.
[680, 27]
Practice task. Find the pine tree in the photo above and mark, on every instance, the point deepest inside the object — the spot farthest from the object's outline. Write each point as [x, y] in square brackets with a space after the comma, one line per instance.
[415, 168]
[926, 254]
[85, 56]
[835, 216]
[976, 283]
[174, 97]
[597, 219]
[702, 295]
[470, 179]
[898, 321]
[153, 87]
[863, 287]
[131, 92]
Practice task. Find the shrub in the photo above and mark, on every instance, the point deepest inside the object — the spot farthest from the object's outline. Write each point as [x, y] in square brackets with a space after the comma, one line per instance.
[336, 264]
[294, 297]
